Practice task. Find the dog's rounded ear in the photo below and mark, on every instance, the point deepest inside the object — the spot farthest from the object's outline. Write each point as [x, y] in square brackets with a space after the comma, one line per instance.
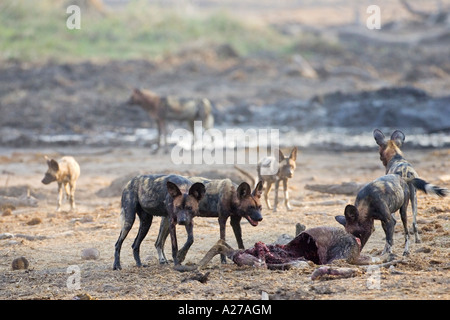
[341, 220]
[293, 154]
[351, 214]
[398, 137]
[173, 189]
[258, 190]
[379, 137]
[243, 190]
[197, 190]
[52, 164]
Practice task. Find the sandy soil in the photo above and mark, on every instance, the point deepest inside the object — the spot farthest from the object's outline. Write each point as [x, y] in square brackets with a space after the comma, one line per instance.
[87, 97]
[95, 224]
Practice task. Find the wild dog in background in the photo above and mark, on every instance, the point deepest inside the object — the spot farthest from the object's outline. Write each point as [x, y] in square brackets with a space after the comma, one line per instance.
[65, 172]
[392, 158]
[168, 196]
[286, 168]
[164, 108]
[224, 199]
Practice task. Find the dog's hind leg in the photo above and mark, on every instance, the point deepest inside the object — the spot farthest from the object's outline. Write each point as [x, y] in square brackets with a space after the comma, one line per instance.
[236, 225]
[266, 194]
[161, 240]
[388, 225]
[413, 198]
[144, 226]
[127, 223]
[404, 216]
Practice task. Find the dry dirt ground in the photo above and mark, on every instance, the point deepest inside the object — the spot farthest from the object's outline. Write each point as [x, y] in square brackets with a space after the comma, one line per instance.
[57, 239]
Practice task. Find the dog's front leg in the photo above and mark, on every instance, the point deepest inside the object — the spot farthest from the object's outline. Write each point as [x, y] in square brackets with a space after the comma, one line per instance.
[222, 226]
[286, 195]
[236, 225]
[181, 255]
[413, 198]
[403, 215]
[173, 237]
[60, 196]
[72, 195]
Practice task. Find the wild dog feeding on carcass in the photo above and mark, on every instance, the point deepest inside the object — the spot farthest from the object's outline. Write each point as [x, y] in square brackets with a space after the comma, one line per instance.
[392, 158]
[224, 199]
[172, 197]
[65, 172]
[378, 200]
[163, 108]
[321, 245]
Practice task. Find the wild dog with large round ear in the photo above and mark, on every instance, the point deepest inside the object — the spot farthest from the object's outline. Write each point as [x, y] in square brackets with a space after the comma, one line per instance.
[392, 158]
[285, 167]
[171, 197]
[224, 199]
[184, 207]
[65, 172]
[377, 200]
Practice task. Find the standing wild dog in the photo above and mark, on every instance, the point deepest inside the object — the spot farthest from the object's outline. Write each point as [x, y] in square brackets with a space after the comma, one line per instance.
[378, 200]
[224, 199]
[65, 172]
[286, 168]
[166, 108]
[172, 197]
[392, 158]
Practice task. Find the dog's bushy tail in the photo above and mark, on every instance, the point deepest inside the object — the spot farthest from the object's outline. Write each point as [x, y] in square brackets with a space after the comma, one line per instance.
[429, 188]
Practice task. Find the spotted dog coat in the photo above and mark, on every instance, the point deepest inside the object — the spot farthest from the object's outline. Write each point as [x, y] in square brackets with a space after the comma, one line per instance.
[172, 197]
[65, 172]
[286, 168]
[378, 200]
[224, 199]
[392, 158]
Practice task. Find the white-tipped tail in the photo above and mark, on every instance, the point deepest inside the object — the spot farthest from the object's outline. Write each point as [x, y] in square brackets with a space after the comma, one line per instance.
[429, 188]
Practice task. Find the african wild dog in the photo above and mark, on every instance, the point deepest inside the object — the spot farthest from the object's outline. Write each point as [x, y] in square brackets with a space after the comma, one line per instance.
[392, 158]
[183, 209]
[224, 199]
[163, 108]
[172, 197]
[378, 200]
[65, 172]
[286, 168]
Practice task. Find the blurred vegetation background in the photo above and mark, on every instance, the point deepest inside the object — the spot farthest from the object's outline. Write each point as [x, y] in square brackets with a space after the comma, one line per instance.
[36, 30]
